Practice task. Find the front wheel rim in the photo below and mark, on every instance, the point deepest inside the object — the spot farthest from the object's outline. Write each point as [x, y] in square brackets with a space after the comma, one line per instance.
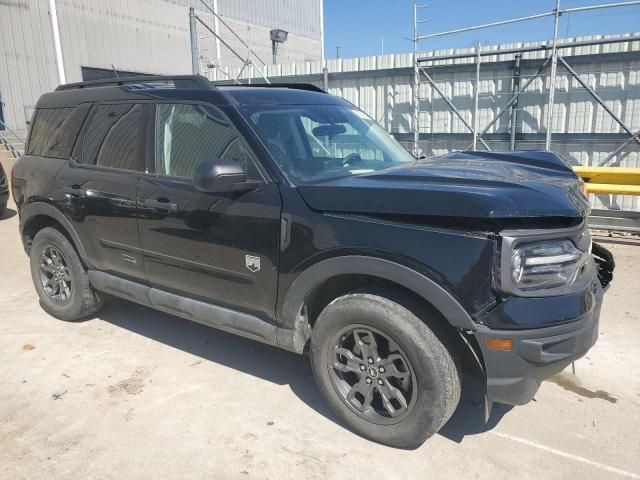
[55, 276]
[371, 374]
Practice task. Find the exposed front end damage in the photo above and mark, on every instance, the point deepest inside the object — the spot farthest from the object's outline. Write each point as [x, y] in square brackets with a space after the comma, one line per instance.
[525, 340]
[604, 263]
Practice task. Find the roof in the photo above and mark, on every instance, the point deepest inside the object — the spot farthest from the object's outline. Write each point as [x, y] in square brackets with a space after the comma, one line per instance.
[184, 87]
[278, 96]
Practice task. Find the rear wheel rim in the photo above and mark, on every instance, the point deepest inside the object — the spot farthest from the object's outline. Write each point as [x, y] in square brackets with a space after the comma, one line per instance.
[371, 374]
[55, 275]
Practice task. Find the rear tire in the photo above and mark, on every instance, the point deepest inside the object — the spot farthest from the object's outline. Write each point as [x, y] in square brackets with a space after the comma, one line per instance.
[60, 278]
[408, 391]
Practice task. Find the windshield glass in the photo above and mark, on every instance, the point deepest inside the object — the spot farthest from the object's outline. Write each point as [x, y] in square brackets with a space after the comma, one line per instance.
[313, 143]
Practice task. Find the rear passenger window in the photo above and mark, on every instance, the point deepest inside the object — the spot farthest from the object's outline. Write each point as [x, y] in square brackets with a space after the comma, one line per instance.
[63, 139]
[46, 123]
[115, 137]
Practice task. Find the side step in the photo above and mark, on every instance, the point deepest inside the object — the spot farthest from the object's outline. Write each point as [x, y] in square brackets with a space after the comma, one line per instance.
[240, 323]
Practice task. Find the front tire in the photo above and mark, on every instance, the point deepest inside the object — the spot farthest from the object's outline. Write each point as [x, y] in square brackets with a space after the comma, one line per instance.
[384, 372]
[60, 278]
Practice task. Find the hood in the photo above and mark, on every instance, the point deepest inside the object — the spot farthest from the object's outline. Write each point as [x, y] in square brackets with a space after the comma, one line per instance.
[480, 185]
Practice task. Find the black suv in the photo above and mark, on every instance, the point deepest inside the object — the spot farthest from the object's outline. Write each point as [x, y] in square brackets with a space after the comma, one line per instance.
[289, 216]
[4, 191]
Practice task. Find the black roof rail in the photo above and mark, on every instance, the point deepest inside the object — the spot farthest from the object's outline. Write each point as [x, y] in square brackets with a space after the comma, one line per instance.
[296, 86]
[179, 81]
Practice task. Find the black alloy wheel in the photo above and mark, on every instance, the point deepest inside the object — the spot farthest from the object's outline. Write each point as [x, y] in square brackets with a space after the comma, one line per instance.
[55, 275]
[382, 367]
[372, 374]
[60, 278]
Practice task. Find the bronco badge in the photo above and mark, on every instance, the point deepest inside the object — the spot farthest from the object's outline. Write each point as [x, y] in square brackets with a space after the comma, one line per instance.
[252, 263]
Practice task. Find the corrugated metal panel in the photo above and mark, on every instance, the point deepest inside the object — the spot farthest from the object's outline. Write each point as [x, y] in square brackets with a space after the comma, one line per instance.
[25, 28]
[148, 36]
[296, 49]
[300, 17]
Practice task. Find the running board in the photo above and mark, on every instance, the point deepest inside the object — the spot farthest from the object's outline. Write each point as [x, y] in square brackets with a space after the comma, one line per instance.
[222, 318]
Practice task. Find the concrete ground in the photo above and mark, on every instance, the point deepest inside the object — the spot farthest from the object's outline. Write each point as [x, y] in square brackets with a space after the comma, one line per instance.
[136, 394]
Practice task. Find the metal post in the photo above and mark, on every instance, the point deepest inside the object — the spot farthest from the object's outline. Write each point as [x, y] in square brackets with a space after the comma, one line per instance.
[557, 12]
[322, 53]
[514, 105]
[552, 79]
[619, 149]
[230, 48]
[452, 106]
[193, 32]
[325, 78]
[514, 98]
[57, 45]
[476, 95]
[216, 27]
[416, 85]
[274, 52]
[218, 19]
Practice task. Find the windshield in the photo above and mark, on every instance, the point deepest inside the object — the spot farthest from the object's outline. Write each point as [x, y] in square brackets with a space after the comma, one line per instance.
[312, 143]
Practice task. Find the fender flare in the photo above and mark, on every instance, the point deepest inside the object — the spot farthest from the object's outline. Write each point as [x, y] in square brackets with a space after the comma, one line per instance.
[294, 330]
[34, 209]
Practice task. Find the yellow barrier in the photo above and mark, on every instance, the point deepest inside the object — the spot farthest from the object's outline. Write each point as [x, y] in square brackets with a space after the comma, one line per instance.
[603, 188]
[612, 180]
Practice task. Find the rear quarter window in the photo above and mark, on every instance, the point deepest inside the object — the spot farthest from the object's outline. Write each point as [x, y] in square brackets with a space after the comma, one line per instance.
[55, 130]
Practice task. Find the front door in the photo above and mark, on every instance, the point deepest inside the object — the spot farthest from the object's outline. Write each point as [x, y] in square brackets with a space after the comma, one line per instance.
[220, 248]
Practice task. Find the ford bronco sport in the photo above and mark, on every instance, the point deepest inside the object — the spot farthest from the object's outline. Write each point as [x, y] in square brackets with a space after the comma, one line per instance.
[288, 216]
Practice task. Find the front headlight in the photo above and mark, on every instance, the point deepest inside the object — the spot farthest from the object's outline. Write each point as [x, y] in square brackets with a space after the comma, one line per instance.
[533, 263]
[549, 264]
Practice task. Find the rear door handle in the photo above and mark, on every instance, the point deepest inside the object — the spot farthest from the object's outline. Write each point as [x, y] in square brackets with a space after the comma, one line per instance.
[161, 205]
[74, 191]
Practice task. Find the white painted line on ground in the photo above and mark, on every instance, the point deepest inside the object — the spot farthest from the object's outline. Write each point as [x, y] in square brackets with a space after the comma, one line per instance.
[570, 456]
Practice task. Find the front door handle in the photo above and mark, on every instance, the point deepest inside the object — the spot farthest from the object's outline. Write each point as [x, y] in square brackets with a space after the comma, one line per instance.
[74, 191]
[161, 205]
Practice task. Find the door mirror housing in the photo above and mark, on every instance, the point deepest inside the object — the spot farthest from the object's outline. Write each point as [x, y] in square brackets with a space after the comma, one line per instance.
[219, 176]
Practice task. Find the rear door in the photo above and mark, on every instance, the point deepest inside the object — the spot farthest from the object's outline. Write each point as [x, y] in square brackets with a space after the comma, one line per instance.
[100, 186]
[221, 248]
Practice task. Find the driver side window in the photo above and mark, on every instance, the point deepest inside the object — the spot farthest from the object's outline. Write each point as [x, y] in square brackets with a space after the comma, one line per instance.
[187, 135]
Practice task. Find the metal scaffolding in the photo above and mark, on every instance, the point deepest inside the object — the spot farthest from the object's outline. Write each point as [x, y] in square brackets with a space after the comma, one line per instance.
[421, 66]
[250, 59]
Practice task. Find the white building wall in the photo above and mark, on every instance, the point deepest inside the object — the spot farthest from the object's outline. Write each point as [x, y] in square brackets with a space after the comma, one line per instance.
[146, 36]
[27, 58]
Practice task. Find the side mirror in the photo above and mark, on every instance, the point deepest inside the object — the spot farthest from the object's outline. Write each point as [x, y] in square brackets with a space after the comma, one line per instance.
[218, 176]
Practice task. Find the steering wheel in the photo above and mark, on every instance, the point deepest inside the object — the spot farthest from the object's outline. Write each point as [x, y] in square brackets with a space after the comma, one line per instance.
[351, 158]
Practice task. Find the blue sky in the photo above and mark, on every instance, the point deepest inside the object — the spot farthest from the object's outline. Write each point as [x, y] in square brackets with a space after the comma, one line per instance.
[357, 26]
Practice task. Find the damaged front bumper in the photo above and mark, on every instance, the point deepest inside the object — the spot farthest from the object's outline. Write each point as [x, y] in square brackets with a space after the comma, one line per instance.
[513, 375]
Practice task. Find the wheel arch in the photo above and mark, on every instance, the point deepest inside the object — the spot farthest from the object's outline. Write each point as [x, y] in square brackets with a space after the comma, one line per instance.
[296, 315]
[38, 215]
